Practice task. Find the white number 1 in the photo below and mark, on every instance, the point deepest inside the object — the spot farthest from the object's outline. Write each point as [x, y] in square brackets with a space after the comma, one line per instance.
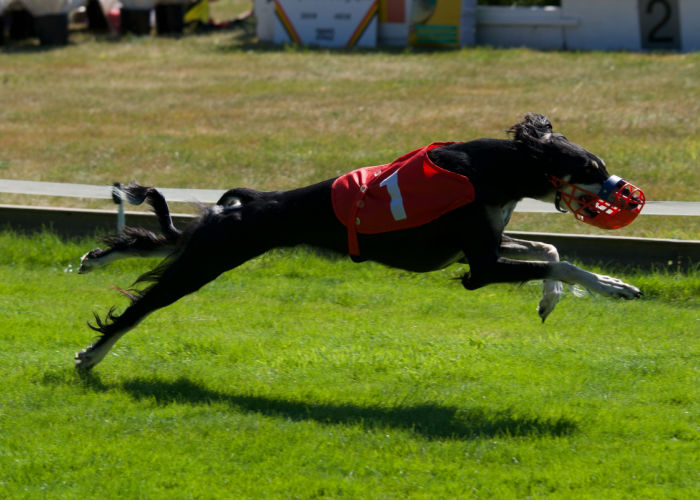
[392, 185]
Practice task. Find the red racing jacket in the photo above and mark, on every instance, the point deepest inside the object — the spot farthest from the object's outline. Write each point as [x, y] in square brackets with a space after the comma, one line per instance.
[409, 192]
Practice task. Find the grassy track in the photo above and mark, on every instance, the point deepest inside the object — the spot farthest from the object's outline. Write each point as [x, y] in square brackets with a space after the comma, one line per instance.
[218, 110]
[299, 377]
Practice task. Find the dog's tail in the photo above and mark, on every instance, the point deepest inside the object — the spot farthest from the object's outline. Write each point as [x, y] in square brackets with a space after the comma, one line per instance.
[136, 194]
[136, 241]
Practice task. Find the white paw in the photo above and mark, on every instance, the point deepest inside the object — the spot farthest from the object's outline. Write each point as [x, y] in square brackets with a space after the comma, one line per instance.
[88, 358]
[87, 261]
[551, 295]
[613, 287]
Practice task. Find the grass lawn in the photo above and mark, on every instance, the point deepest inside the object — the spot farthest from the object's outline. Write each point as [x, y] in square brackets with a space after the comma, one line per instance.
[220, 110]
[295, 376]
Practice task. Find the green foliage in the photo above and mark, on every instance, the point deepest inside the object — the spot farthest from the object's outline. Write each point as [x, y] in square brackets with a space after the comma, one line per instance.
[297, 376]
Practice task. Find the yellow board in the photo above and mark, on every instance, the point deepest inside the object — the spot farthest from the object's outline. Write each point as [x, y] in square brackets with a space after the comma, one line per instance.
[198, 12]
[435, 23]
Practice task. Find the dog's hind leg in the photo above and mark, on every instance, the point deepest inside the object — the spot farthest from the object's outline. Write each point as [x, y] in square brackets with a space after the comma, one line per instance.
[133, 242]
[136, 242]
[171, 281]
[533, 250]
[218, 244]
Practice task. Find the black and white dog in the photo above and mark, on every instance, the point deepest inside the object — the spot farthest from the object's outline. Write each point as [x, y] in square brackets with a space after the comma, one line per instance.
[535, 162]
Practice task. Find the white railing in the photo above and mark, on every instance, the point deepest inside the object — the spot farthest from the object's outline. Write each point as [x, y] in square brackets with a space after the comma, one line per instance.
[89, 191]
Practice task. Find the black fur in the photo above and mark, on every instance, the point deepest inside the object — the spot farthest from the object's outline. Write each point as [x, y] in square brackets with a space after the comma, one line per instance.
[246, 223]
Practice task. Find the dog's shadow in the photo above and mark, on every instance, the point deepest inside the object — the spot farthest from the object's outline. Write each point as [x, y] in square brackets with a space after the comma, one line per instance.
[429, 420]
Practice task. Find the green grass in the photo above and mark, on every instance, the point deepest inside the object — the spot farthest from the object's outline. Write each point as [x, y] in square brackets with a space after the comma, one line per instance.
[296, 376]
[300, 377]
[220, 110]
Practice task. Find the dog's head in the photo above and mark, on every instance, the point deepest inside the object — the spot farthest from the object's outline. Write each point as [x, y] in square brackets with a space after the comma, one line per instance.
[580, 178]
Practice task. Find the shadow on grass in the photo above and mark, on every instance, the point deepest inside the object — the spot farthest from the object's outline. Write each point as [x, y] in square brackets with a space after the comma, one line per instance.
[429, 420]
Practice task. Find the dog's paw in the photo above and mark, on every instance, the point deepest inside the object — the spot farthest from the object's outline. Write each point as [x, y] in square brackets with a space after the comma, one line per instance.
[83, 360]
[88, 261]
[88, 358]
[551, 295]
[613, 287]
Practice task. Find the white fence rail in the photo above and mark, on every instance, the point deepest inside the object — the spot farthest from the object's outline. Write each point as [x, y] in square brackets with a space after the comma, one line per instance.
[637, 252]
[35, 188]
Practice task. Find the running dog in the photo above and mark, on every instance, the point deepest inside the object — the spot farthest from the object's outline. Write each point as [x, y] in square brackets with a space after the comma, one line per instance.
[438, 205]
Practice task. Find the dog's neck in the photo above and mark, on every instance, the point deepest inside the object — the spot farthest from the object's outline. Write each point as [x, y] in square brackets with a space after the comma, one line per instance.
[501, 170]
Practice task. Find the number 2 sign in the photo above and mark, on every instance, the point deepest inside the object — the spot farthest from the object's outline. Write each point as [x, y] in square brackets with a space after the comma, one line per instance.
[659, 23]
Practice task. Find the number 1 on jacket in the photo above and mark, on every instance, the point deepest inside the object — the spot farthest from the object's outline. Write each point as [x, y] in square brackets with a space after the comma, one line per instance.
[391, 183]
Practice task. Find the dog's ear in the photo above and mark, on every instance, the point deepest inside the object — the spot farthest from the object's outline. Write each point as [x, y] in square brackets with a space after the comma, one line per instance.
[534, 132]
[533, 127]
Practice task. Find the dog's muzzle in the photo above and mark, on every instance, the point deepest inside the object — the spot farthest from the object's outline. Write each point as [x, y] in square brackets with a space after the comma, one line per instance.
[617, 203]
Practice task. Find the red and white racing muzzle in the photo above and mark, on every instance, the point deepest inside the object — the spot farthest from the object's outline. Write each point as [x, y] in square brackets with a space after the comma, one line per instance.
[617, 203]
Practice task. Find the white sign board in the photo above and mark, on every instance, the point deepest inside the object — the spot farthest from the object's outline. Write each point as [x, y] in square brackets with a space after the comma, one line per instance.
[326, 23]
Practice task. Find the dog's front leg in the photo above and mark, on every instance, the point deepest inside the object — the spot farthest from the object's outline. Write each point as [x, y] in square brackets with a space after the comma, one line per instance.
[503, 270]
[599, 283]
[527, 250]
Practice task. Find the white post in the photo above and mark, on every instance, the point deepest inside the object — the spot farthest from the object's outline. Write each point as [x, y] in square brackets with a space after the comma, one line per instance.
[118, 198]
